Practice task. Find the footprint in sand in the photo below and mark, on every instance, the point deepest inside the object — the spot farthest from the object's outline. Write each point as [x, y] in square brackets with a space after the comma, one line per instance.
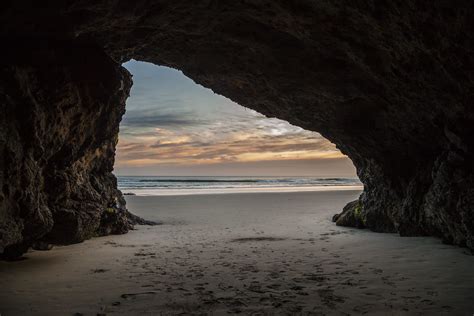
[134, 295]
[254, 239]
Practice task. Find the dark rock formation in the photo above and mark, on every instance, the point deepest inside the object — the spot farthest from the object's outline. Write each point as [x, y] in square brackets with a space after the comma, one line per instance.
[351, 215]
[61, 106]
[389, 82]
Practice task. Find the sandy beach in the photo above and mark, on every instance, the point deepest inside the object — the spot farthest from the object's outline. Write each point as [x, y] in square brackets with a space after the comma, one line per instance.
[249, 253]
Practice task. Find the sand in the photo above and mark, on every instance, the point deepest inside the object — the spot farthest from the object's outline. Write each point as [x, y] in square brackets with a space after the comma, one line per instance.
[259, 254]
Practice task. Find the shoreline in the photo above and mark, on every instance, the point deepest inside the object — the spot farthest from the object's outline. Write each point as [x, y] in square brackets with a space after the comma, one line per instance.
[262, 190]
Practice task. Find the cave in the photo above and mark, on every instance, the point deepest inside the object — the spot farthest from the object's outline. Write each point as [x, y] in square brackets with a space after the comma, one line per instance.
[390, 83]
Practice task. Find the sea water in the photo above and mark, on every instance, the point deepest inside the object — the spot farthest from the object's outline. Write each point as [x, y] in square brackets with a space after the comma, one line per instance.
[184, 185]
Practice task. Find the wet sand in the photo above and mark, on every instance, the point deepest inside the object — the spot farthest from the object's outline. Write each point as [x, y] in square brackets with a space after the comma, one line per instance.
[256, 253]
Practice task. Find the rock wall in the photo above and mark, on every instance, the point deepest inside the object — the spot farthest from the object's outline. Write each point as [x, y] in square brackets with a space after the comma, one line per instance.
[389, 82]
[61, 104]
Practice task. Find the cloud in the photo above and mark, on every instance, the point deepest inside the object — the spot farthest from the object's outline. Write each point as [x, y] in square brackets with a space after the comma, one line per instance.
[161, 144]
[143, 119]
[180, 147]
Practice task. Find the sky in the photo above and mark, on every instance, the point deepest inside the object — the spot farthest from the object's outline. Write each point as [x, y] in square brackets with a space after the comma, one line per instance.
[175, 127]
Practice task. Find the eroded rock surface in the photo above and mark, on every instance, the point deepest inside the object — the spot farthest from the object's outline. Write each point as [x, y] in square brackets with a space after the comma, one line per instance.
[389, 82]
[61, 106]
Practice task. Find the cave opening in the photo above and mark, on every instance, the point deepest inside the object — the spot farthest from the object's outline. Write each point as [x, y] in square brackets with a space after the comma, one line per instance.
[178, 137]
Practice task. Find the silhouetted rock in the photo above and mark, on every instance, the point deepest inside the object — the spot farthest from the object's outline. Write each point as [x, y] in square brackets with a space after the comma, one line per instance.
[390, 83]
[41, 245]
[62, 106]
[351, 215]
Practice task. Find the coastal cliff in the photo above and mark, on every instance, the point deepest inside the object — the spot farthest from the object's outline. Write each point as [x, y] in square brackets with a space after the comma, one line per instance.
[390, 83]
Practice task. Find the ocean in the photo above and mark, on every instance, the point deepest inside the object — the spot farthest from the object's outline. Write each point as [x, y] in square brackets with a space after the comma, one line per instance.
[188, 185]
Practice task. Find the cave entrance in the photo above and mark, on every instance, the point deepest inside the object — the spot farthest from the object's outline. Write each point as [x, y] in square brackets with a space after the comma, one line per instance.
[179, 137]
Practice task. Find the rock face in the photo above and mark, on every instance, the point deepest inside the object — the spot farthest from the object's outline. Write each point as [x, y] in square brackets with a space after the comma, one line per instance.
[61, 106]
[351, 215]
[389, 82]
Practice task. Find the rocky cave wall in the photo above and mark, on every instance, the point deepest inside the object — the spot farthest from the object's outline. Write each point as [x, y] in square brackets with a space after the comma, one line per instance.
[61, 104]
[389, 82]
